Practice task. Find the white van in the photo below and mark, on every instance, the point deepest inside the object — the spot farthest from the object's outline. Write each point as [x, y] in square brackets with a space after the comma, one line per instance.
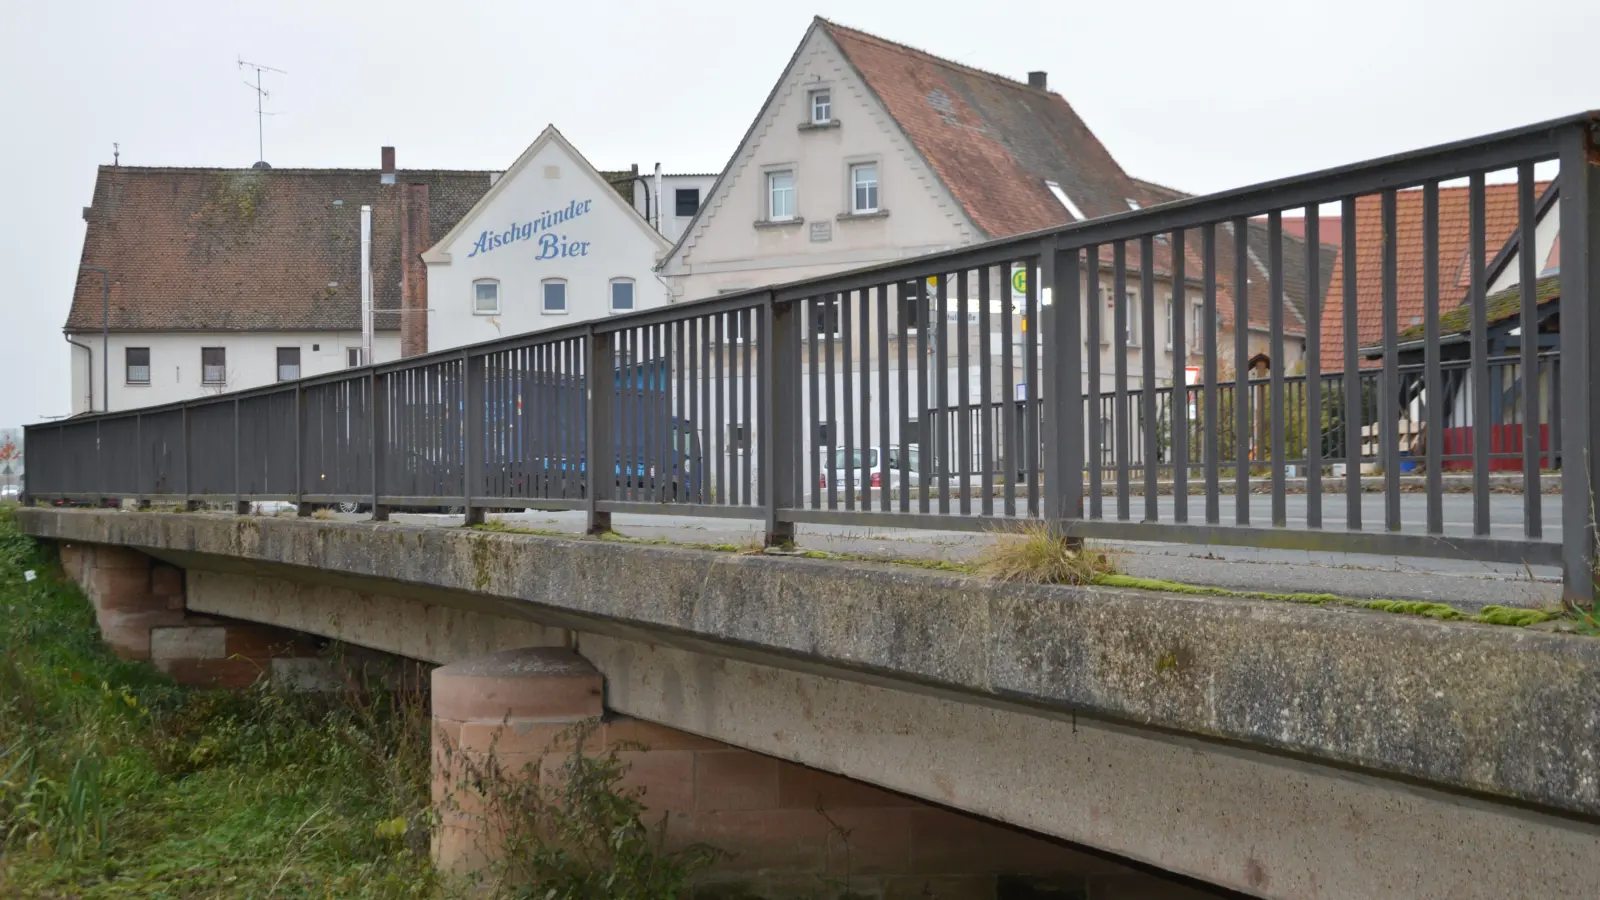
[877, 460]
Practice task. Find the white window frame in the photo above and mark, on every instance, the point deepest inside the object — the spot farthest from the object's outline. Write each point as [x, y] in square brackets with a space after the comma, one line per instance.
[874, 187]
[1170, 308]
[1196, 335]
[223, 379]
[478, 310]
[820, 100]
[544, 297]
[352, 357]
[633, 294]
[772, 191]
[277, 363]
[127, 367]
[1131, 318]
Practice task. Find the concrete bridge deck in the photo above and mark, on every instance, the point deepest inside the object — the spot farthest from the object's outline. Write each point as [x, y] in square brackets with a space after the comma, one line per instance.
[1277, 749]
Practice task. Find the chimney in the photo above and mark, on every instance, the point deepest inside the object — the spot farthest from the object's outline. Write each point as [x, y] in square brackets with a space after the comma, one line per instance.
[1039, 80]
[413, 271]
[386, 173]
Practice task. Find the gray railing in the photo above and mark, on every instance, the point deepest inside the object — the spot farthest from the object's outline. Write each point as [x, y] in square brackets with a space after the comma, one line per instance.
[851, 399]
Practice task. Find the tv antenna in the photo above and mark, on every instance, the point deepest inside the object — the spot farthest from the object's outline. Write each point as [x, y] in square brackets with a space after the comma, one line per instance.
[261, 94]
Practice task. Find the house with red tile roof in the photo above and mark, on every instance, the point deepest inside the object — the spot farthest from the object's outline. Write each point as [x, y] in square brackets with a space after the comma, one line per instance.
[1501, 243]
[222, 279]
[868, 151]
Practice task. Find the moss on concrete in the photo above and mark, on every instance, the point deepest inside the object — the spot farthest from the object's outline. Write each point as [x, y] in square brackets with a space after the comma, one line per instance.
[1489, 615]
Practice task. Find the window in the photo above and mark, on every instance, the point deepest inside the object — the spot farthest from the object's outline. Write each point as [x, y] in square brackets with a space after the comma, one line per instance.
[1072, 208]
[352, 357]
[825, 317]
[688, 201]
[855, 458]
[780, 196]
[213, 365]
[622, 295]
[912, 306]
[911, 456]
[138, 364]
[864, 188]
[821, 107]
[555, 296]
[486, 297]
[288, 363]
[1197, 327]
[1130, 306]
[1169, 323]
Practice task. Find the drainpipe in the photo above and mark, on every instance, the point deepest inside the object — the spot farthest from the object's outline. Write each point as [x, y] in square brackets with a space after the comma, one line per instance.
[366, 285]
[105, 338]
[89, 375]
[658, 198]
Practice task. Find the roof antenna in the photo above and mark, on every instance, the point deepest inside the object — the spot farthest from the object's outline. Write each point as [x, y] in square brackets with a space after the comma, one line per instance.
[116, 153]
[261, 94]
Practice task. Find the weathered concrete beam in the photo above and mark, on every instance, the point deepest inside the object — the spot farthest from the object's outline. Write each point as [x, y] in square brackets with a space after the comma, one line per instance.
[1494, 711]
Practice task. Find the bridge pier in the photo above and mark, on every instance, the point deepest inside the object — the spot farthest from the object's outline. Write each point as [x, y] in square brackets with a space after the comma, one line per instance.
[787, 830]
[140, 606]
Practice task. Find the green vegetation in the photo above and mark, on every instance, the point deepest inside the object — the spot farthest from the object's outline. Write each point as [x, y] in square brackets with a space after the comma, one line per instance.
[1491, 615]
[1033, 554]
[575, 831]
[116, 783]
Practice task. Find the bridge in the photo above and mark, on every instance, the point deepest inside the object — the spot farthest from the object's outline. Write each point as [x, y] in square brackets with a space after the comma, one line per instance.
[1267, 747]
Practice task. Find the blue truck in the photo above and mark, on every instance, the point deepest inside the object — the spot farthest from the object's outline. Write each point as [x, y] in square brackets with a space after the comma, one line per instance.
[658, 454]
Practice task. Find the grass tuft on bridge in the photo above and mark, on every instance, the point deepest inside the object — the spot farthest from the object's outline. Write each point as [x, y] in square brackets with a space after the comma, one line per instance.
[114, 782]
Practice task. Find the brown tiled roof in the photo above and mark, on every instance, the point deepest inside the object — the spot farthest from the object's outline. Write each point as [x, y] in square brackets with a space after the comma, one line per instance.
[1294, 264]
[250, 249]
[1498, 307]
[1500, 220]
[994, 142]
[1152, 194]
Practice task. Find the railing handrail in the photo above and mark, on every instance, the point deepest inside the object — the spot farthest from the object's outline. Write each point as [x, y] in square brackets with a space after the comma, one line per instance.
[1440, 162]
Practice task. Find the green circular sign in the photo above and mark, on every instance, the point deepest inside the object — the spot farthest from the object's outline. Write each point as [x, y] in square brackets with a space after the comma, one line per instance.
[1019, 281]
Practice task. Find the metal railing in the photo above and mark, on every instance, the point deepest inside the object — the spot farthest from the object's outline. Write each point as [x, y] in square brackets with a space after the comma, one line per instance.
[953, 391]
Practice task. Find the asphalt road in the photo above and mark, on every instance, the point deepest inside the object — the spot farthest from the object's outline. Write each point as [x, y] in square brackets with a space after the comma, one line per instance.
[1465, 583]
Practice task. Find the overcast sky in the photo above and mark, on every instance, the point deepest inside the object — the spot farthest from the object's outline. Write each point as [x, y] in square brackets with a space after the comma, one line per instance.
[1199, 96]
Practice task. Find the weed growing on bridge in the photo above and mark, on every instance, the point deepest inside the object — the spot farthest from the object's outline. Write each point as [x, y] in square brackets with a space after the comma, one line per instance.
[565, 823]
[1033, 554]
[115, 783]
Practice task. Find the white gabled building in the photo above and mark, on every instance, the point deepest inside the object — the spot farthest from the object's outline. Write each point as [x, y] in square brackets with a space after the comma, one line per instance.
[551, 242]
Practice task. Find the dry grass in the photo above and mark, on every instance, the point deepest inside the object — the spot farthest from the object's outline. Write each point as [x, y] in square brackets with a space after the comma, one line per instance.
[323, 513]
[1031, 554]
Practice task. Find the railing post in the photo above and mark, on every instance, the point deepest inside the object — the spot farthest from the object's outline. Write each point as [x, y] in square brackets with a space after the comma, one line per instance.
[99, 465]
[1580, 359]
[472, 425]
[301, 510]
[778, 425]
[189, 503]
[1061, 302]
[598, 465]
[241, 506]
[380, 439]
[139, 500]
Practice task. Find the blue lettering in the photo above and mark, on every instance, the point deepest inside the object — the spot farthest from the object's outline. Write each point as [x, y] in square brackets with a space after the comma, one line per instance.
[547, 247]
[550, 245]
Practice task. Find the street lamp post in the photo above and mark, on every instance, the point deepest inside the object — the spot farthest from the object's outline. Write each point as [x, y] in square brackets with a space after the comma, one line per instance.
[105, 336]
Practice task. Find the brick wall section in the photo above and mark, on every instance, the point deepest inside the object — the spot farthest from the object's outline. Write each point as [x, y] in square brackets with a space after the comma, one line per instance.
[139, 605]
[414, 240]
[791, 831]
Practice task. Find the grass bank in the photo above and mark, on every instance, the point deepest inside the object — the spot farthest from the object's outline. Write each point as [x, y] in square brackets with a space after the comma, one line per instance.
[115, 783]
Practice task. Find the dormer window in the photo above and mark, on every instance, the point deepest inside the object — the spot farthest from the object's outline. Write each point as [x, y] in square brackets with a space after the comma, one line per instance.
[821, 107]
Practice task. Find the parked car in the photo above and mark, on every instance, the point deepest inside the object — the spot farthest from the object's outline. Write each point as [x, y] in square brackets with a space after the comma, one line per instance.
[10, 492]
[877, 460]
